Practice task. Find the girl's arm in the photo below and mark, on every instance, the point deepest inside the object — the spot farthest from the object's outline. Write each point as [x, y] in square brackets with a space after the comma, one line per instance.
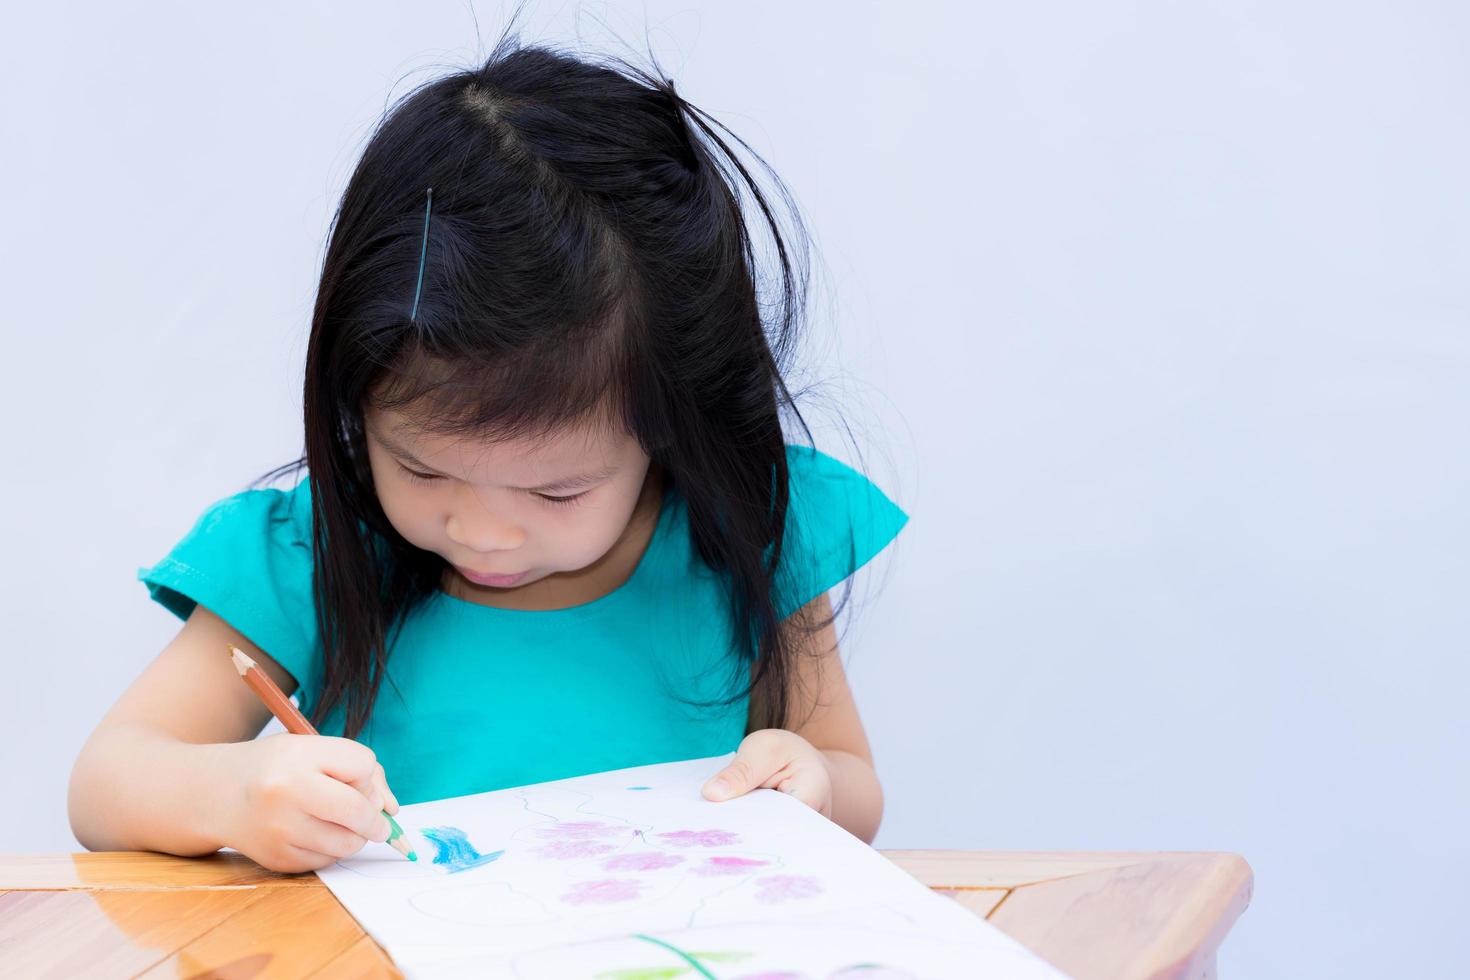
[172, 766]
[824, 758]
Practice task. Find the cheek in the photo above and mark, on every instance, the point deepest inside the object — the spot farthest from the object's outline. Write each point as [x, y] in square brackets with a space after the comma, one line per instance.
[583, 538]
[579, 539]
[408, 514]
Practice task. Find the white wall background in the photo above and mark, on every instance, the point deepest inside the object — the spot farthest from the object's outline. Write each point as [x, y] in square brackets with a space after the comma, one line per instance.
[1153, 315]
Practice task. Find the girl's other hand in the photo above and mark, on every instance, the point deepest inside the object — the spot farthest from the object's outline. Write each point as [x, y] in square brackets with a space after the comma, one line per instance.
[774, 758]
[304, 801]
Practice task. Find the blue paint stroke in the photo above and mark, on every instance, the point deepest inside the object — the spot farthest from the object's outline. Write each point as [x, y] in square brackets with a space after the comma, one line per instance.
[640, 787]
[454, 850]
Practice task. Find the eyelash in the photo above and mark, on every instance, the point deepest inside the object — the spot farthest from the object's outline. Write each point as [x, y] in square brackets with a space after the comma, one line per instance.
[563, 501]
[416, 477]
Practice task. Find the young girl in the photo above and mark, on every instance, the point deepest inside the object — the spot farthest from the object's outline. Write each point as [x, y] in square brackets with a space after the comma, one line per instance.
[550, 524]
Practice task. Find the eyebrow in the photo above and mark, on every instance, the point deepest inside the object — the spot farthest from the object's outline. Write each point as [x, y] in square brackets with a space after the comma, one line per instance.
[565, 483]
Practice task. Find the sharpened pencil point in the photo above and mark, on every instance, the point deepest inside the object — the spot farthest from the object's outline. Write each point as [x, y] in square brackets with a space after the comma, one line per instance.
[241, 659]
[401, 846]
[397, 840]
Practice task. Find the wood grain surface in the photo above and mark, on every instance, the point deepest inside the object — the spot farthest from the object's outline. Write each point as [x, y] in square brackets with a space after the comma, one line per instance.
[1097, 916]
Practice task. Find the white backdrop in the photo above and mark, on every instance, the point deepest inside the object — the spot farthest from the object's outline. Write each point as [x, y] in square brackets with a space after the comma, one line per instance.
[1153, 316]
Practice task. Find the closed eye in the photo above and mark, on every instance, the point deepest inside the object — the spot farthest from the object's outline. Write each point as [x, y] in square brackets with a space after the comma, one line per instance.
[567, 501]
[417, 476]
[563, 501]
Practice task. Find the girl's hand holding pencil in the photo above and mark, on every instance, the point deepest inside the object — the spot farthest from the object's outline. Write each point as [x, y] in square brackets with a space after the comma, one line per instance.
[308, 799]
[305, 801]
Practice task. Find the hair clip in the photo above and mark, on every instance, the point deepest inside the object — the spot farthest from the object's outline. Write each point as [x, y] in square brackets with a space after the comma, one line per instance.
[423, 252]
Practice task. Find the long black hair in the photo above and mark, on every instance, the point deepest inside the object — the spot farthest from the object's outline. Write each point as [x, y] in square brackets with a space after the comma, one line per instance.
[587, 249]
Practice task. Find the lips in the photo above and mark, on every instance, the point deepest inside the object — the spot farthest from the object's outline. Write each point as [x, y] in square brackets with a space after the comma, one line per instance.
[483, 578]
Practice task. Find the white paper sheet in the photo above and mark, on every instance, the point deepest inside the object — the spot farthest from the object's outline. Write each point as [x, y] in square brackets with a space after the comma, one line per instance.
[633, 875]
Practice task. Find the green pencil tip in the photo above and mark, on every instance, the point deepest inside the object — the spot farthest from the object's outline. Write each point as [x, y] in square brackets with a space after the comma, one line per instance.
[396, 833]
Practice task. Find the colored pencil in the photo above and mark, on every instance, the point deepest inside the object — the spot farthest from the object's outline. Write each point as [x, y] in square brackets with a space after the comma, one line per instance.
[275, 699]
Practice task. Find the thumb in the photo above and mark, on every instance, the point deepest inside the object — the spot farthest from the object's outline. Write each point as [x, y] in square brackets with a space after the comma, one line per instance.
[725, 784]
[750, 767]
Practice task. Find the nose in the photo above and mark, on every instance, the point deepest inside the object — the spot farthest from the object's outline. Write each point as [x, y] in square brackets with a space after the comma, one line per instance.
[474, 527]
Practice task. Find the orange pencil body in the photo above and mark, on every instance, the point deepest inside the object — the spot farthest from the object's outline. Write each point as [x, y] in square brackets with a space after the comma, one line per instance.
[269, 692]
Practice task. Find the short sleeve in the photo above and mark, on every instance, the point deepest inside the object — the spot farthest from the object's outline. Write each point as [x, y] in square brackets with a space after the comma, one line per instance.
[836, 522]
[248, 559]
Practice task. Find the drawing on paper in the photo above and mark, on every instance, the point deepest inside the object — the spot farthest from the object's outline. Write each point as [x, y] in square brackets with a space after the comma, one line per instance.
[454, 850]
[632, 875]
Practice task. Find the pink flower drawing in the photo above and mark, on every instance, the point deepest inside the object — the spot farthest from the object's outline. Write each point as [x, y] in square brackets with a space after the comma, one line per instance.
[602, 892]
[700, 838]
[773, 889]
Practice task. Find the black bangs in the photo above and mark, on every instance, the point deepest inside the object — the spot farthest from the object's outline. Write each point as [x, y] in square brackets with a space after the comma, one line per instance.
[568, 377]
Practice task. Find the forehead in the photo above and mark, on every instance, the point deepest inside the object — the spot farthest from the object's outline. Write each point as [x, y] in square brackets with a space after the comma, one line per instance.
[567, 446]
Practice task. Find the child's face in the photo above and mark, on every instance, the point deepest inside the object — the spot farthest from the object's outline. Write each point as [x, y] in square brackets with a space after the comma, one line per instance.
[506, 514]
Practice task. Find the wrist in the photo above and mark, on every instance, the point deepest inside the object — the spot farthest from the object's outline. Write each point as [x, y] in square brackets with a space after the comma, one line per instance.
[835, 760]
[833, 766]
[857, 795]
[215, 803]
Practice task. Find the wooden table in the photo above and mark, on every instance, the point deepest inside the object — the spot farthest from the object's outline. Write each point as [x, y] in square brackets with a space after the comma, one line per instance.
[1156, 915]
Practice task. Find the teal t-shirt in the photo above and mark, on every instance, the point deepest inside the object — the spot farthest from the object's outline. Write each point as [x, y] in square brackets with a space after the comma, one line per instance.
[479, 698]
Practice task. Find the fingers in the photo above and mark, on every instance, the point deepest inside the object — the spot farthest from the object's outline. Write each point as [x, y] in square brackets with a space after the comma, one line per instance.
[755, 762]
[356, 765]
[344, 759]
[312, 800]
[346, 806]
[309, 844]
[808, 791]
[372, 789]
[293, 860]
[776, 759]
[381, 783]
[392, 800]
[326, 838]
